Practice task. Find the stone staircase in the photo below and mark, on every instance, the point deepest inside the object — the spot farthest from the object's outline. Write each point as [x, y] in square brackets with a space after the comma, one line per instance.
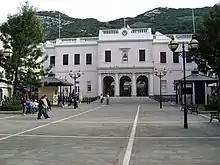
[132, 100]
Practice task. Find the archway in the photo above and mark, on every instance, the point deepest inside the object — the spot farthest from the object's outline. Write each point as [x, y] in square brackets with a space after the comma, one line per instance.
[109, 86]
[142, 86]
[125, 86]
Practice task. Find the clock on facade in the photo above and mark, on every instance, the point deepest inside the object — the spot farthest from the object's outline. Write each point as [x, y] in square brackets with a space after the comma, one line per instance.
[124, 32]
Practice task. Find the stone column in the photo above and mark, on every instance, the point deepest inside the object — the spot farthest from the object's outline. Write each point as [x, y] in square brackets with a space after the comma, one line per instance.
[151, 84]
[100, 84]
[116, 85]
[134, 86]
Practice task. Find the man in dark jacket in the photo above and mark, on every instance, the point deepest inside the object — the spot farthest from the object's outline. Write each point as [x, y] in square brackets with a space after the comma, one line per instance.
[48, 103]
[42, 109]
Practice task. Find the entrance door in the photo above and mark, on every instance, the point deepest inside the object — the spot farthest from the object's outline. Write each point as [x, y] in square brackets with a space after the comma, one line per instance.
[142, 86]
[125, 86]
[199, 93]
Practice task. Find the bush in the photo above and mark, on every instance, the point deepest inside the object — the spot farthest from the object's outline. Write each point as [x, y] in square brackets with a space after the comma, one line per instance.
[11, 101]
[90, 98]
[211, 107]
[11, 108]
[11, 104]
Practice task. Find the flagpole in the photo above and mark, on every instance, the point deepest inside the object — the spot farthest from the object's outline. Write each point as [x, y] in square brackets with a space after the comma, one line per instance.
[59, 25]
[124, 22]
[193, 18]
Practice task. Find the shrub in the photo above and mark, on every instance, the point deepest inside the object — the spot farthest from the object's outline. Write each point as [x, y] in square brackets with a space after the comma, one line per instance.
[11, 101]
[11, 104]
[11, 108]
[210, 107]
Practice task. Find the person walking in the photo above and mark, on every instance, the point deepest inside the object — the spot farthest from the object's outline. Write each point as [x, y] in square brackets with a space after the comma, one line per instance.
[42, 108]
[75, 102]
[101, 98]
[49, 104]
[107, 98]
[23, 103]
[31, 107]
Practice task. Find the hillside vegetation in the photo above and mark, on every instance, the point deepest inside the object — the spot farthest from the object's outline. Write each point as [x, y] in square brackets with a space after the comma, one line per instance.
[164, 20]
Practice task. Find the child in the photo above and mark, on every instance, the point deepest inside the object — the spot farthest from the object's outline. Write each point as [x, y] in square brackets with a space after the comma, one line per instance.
[31, 107]
[35, 107]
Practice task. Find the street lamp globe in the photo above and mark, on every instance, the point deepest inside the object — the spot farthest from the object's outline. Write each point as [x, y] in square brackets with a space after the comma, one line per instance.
[164, 71]
[173, 45]
[71, 73]
[7, 52]
[193, 44]
[155, 71]
[79, 73]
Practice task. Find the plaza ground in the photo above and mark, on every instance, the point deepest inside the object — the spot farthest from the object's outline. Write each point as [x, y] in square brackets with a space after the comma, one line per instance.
[122, 133]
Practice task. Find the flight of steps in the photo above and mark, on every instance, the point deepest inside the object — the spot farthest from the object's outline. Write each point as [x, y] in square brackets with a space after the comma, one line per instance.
[132, 100]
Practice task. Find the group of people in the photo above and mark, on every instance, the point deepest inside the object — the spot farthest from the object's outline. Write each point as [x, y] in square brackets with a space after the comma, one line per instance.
[29, 106]
[42, 107]
[107, 98]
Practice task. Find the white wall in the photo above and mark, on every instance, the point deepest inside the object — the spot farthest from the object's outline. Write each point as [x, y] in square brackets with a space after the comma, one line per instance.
[133, 53]
[115, 41]
[175, 70]
[89, 71]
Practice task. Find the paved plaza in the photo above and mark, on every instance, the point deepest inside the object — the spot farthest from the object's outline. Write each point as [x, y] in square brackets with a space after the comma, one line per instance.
[132, 133]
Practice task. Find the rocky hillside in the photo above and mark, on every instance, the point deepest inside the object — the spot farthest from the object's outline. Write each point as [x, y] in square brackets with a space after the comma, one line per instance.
[165, 20]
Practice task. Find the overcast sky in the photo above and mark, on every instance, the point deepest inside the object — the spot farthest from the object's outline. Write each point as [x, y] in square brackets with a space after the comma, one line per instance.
[103, 10]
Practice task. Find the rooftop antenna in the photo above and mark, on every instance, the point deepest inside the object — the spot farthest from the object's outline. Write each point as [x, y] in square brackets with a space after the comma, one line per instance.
[193, 18]
[59, 24]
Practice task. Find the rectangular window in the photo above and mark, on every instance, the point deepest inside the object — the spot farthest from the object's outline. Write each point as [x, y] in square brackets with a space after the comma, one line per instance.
[52, 60]
[89, 58]
[188, 57]
[163, 57]
[107, 56]
[163, 86]
[175, 57]
[76, 59]
[65, 59]
[142, 55]
[89, 86]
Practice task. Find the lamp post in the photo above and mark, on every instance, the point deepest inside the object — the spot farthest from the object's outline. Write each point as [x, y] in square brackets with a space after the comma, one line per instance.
[75, 76]
[160, 74]
[173, 45]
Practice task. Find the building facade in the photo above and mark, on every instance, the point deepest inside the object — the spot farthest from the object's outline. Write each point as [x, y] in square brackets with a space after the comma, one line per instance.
[119, 61]
[5, 85]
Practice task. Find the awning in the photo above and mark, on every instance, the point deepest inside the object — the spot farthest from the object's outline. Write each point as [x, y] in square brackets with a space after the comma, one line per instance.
[51, 80]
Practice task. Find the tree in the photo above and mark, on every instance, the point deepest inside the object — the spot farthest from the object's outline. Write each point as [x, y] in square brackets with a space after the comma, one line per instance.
[208, 55]
[24, 33]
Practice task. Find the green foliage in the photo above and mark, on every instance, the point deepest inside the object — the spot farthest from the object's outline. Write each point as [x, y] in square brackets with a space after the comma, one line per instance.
[164, 20]
[11, 101]
[11, 108]
[212, 107]
[24, 32]
[11, 104]
[208, 56]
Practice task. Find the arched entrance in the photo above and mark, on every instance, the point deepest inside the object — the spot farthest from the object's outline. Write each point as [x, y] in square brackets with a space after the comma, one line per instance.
[142, 86]
[125, 86]
[108, 86]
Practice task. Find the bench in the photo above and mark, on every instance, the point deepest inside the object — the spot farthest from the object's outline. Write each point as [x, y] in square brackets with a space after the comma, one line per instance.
[193, 108]
[214, 111]
[214, 115]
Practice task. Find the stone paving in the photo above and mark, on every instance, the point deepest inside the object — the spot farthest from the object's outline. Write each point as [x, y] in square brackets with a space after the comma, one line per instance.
[98, 134]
